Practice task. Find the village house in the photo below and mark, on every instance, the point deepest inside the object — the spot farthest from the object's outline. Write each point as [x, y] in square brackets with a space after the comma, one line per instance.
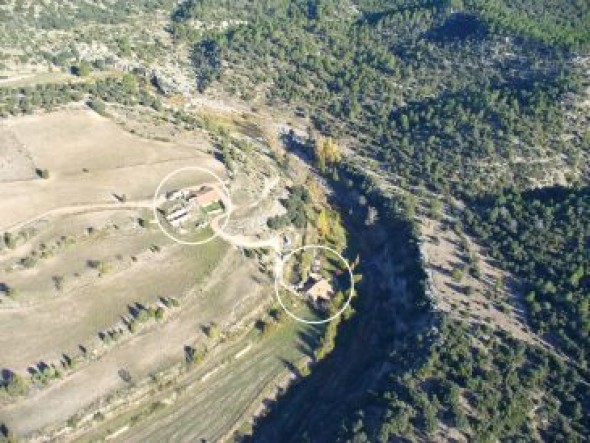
[206, 196]
[316, 267]
[184, 202]
[175, 195]
[319, 291]
[192, 199]
[176, 213]
[180, 219]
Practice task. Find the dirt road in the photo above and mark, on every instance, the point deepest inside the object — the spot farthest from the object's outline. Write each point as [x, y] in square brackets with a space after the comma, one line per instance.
[236, 240]
[78, 209]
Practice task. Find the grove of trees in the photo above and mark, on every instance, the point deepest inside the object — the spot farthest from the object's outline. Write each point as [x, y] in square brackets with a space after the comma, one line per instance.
[462, 98]
[542, 237]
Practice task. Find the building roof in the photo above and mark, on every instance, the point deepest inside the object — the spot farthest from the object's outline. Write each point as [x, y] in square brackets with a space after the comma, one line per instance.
[180, 212]
[320, 290]
[178, 220]
[173, 195]
[206, 196]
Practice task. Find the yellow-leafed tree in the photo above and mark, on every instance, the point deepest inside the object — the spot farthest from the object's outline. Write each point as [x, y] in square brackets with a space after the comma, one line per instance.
[323, 224]
[327, 152]
[332, 151]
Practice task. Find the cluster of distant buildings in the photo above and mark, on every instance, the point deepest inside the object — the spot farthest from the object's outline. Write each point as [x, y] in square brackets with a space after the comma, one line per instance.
[186, 201]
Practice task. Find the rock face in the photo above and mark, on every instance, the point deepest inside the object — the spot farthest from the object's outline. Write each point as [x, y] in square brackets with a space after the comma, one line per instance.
[170, 83]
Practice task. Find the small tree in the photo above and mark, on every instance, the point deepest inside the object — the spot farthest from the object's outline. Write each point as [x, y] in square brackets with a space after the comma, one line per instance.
[83, 69]
[97, 106]
[42, 173]
[194, 355]
[16, 385]
[6, 435]
[323, 224]
[29, 262]
[58, 281]
[213, 331]
[142, 316]
[457, 274]
[107, 339]
[125, 375]
[276, 314]
[10, 240]
[430, 419]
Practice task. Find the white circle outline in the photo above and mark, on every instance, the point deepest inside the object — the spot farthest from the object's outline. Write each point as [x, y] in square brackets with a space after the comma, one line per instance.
[229, 205]
[279, 275]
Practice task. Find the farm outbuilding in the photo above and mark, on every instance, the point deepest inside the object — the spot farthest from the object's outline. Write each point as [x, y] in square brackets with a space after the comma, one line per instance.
[180, 212]
[176, 222]
[319, 291]
[175, 195]
[207, 196]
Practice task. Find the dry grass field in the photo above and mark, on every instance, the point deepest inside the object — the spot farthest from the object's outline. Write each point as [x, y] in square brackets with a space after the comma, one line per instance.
[141, 354]
[89, 159]
[85, 264]
[217, 396]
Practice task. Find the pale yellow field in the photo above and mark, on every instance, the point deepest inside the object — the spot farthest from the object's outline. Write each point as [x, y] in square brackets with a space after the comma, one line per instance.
[67, 142]
[90, 159]
[142, 354]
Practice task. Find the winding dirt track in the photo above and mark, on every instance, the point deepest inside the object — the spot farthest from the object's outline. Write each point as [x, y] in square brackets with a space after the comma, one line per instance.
[78, 209]
[241, 241]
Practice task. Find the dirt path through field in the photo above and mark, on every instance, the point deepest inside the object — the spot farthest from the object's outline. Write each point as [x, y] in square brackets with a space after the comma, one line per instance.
[236, 240]
[78, 209]
[158, 347]
[243, 241]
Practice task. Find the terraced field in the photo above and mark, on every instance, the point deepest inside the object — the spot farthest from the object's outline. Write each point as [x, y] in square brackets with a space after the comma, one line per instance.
[212, 401]
[95, 298]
